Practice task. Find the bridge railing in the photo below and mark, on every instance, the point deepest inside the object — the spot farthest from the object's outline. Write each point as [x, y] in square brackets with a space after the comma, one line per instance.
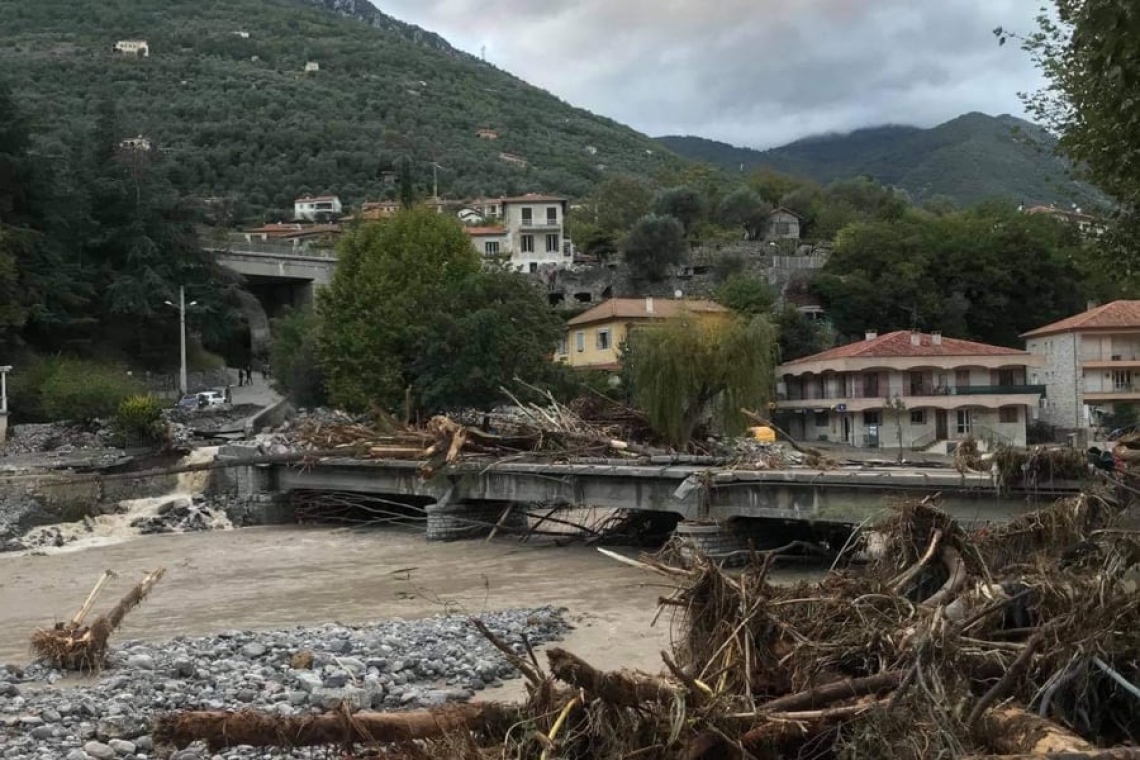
[268, 248]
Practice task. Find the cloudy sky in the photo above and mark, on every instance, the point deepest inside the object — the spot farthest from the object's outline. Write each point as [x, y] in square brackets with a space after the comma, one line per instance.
[750, 72]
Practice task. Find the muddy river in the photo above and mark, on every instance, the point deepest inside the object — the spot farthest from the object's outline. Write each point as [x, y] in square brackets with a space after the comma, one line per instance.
[261, 578]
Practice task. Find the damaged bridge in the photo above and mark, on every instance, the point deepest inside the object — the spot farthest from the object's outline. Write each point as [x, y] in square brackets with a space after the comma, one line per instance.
[470, 491]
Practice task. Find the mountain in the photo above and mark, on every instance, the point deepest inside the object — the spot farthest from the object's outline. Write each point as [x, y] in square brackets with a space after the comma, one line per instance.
[969, 158]
[225, 96]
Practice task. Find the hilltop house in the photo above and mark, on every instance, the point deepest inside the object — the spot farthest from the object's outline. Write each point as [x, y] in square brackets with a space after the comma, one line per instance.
[1087, 224]
[135, 143]
[312, 67]
[133, 47]
[487, 134]
[593, 339]
[783, 224]
[310, 208]
[511, 158]
[1090, 364]
[929, 390]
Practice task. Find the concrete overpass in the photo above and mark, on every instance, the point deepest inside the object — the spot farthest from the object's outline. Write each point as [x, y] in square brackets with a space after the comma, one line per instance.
[277, 275]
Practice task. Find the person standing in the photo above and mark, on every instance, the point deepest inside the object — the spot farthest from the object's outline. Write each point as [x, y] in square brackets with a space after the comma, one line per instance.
[249, 372]
[241, 377]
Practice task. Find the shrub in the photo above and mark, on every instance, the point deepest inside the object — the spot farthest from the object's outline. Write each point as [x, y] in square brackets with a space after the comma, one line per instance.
[295, 360]
[84, 391]
[138, 420]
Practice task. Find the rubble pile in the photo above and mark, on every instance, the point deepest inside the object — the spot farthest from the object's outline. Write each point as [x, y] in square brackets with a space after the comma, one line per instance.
[1015, 641]
[54, 438]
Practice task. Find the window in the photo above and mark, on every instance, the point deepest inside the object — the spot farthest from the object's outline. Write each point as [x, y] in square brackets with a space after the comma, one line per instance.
[491, 249]
[1008, 415]
[1121, 381]
[564, 345]
[552, 215]
[527, 215]
[961, 378]
[528, 243]
[533, 267]
[965, 422]
[604, 339]
[822, 419]
[916, 386]
[783, 228]
[918, 417]
[871, 417]
[580, 341]
[870, 386]
[1006, 378]
[552, 244]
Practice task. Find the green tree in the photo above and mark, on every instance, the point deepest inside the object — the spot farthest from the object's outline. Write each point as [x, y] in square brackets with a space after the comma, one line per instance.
[376, 313]
[294, 357]
[800, 336]
[745, 295]
[497, 327]
[746, 209]
[407, 184]
[685, 204]
[619, 202]
[1089, 52]
[679, 369]
[653, 245]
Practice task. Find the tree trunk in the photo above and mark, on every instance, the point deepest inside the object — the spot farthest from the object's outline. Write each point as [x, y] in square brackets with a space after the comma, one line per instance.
[618, 689]
[1013, 730]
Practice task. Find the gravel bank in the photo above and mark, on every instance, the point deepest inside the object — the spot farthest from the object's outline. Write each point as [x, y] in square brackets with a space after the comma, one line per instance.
[395, 665]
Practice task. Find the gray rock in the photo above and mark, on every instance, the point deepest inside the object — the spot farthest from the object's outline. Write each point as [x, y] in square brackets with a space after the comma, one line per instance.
[99, 750]
[122, 747]
[42, 732]
[253, 650]
[31, 720]
[298, 698]
[144, 744]
[77, 754]
[245, 695]
[141, 662]
[183, 667]
[9, 689]
[336, 679]
[330, 699]
[121, 727]
[308, 680]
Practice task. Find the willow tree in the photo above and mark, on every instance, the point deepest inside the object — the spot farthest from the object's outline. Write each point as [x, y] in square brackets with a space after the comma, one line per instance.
[687, 367]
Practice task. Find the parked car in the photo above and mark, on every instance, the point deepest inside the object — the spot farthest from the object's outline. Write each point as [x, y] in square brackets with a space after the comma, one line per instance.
[188, 403]
[212, 398]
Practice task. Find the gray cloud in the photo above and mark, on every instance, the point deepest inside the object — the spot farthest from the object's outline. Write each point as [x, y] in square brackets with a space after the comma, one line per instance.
[750, 72]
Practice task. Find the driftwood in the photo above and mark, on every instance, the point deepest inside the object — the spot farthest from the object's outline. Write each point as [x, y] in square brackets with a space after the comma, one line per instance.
[1120, 753]
[618, 689]
[221, 730]
[73, 646]
[835, 692]
[1015, 731]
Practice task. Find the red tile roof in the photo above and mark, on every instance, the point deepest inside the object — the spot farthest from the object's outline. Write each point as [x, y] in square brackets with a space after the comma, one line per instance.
[899, 344]
[482, 231]
[638, 308]
[316, 198]
[1115, 315]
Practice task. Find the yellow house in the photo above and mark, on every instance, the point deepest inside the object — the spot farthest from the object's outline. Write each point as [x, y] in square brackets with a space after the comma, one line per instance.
[593, 340]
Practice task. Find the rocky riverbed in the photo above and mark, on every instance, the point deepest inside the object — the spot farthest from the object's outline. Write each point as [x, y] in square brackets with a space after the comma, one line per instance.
[395, 665]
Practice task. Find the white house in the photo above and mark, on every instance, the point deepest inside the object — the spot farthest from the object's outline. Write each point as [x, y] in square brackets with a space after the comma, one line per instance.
[311, 67]
[309, 208]
[783, 224]
[536, 228]
[928, 390]
[133, 47]
[1091, 363]
[493, 243]
[135, 143]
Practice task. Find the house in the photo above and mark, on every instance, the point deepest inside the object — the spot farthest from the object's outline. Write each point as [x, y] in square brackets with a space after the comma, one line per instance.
[511, 158]
[296, 235]
[310, 208]
[133, 47]
[489, 208]
[929, 390]
[1087, 224]
[312, 67]
[1091, 364]
[491, 242]
[594, 339]
[783, 224]
[487, 134]
[535, 225]
[243, 35]
[135, 143]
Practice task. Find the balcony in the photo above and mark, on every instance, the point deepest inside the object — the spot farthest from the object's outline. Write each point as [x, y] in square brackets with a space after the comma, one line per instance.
[999, 390]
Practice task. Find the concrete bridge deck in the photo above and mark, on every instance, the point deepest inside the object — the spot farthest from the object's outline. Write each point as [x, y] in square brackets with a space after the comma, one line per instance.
[841, 496]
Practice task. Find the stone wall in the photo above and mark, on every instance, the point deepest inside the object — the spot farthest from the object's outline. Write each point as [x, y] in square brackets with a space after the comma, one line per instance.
[456, 522]
[584, 286]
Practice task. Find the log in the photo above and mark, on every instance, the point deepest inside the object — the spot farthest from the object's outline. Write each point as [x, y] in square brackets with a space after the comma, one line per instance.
[957, 569]
[617, 689]
[1012, 730]
[222, 730]
[834, 692]
[1119, 753]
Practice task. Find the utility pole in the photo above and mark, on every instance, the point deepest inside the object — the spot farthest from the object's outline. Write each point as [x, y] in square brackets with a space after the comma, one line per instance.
[183, 382]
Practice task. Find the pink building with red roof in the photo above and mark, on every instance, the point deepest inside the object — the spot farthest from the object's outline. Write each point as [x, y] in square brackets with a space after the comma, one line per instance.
[919, 390]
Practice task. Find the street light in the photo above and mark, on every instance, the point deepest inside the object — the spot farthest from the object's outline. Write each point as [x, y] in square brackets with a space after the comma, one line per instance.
[182, 306]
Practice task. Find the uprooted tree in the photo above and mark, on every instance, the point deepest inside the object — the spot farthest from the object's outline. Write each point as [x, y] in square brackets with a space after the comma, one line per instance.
[683, 368]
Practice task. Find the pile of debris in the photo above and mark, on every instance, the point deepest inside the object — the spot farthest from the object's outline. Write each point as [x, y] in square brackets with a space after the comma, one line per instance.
[55, 438]
[1018, 641]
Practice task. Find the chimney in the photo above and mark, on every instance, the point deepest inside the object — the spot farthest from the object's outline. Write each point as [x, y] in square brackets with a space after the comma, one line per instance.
[871, 335]
[915, 338]
[1091, 305]
[649, 305]
[936, 339]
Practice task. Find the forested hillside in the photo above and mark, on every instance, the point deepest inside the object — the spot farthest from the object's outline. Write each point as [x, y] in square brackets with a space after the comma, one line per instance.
[968, 159]
[225, 96]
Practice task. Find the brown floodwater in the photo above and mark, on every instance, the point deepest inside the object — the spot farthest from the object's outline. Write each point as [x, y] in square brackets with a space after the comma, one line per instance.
[264, 578]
